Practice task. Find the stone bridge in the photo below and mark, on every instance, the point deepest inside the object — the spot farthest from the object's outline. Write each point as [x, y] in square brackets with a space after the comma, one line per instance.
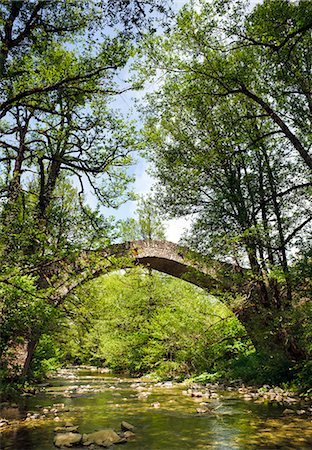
[180, 262]
[162, 256]
[61, 277]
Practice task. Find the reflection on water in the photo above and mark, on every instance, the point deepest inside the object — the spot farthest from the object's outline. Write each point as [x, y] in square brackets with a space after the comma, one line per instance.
[165, 419]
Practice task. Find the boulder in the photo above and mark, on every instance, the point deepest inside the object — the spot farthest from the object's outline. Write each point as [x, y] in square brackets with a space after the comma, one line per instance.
[126, 426]
[103, 438]
[129, 435]
[67, 439]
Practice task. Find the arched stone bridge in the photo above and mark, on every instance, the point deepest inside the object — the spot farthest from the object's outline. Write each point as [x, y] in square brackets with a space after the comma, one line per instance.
[162, 256]
[180, 262]
[214, 276]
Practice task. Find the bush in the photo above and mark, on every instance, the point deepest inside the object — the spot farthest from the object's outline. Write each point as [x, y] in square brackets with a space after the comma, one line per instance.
[259, 368]
[303, 377]
[47, 358]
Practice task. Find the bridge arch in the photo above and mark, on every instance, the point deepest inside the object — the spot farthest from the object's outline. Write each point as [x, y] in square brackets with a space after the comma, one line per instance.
[65, 275]
[180, 262]
[166, 257]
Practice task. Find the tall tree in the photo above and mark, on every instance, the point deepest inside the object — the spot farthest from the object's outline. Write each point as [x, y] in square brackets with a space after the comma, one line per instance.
[230, 148]
[59, 66]
[147, 224]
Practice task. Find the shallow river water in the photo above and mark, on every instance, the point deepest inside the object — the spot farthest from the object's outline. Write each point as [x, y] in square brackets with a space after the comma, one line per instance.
[164, 417]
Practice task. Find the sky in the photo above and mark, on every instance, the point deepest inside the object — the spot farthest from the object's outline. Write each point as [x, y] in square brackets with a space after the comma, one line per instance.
[143, 180]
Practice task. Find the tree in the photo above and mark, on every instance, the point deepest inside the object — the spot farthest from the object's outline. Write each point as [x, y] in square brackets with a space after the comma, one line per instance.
[58, 67]
[228, 146]
[148, 224]
[48, 88]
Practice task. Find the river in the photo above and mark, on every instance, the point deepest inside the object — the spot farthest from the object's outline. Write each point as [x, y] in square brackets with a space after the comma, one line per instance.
[166, 416]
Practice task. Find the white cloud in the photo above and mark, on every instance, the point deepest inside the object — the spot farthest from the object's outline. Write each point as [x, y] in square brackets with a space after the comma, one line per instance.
[176, 227]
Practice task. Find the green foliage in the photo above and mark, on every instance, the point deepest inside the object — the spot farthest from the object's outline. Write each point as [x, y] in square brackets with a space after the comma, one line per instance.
[47, 358]
[23, 310]
[149, 323]
[206, 377]
[147, 225]
[302, 377]
[257, 368]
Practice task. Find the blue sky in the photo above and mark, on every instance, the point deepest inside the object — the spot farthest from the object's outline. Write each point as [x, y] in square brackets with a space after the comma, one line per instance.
[143, 181]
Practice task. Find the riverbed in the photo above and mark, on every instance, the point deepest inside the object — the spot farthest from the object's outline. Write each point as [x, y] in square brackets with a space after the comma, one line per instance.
[166, 416]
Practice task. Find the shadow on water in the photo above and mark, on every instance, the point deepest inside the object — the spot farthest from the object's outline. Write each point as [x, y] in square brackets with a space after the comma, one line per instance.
[164, 418]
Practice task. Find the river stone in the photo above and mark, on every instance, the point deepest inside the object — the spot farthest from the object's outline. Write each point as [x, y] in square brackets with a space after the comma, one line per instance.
[67, 439]
[59, 405]
[73, 429]
[155, 405]
[167, 384]
[126, 426]
[214, 395]
[197, 394]
[202, 410]
[288, 411]
[3, 422]
[129, 435]
[104, 438]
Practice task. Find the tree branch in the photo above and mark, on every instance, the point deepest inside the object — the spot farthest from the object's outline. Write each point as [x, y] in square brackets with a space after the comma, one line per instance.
[285, 129]
[5, 106]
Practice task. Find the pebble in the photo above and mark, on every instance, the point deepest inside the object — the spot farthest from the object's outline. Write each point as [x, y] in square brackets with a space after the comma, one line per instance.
[155, 405]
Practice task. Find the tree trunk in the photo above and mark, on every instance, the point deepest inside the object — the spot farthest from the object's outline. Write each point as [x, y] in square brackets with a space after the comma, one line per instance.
[31, 347]
[267, 329]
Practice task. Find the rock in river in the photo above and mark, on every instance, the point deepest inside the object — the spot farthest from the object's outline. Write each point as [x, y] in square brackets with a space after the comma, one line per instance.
[3, 422]
[104, 438]
[129, 435]
[66, 429]
[126, 426]
[67, 439]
